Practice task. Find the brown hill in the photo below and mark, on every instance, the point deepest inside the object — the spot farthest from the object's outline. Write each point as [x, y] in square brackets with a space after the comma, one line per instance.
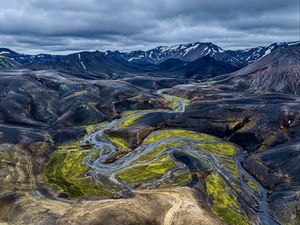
[279, 71]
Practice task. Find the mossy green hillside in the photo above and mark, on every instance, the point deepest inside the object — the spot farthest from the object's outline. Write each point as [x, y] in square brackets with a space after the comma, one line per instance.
[230, 166]
[120, 142]
[222, 148]
[225, 204]
[89, 128]
[66, 171]
[251, 184]
[173, 104]
[147, 172]
[95, 126]
[158, 149]
[174, 101]
[178, 133]
[130, 120]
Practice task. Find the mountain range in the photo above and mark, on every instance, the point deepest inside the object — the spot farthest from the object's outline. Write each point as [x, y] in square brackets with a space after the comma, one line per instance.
[193, 61]
[278, 71]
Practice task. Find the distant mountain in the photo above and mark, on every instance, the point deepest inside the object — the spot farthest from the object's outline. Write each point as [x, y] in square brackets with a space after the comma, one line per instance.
[194, 60]
[185, 52]
[242, 58]
[279, 71]
[191, 52]
[88, 65]
[26, 59]
[101, 65]
[201, 68]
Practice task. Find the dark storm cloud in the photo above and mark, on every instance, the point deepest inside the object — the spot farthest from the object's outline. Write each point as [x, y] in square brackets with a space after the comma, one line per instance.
[70, 25]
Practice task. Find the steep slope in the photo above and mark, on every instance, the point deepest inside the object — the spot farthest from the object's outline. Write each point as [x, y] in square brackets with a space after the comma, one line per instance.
[51, 98]
[278, 71]
[89, 65]
[278, 169]
[241, 58]
[205, 67]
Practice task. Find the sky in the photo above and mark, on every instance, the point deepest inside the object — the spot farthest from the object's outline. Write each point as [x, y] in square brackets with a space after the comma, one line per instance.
[65, 26]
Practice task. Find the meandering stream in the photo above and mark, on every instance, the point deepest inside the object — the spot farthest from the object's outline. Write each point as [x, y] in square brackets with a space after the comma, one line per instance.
[107, 149]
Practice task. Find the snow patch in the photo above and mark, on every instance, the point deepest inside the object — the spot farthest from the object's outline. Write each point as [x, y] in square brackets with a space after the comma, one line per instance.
[293, 43]
[4, 52]
[187, 50]
[220, 50]
[205, 49]
[174, 47]
[138, 57]
[79, 57]
[267, 52]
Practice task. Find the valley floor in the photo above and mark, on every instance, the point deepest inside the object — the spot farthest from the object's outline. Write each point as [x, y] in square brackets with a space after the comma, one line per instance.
[108, 152]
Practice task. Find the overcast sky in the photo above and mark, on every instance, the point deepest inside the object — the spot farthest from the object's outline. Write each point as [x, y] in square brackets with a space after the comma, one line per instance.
[62, 26]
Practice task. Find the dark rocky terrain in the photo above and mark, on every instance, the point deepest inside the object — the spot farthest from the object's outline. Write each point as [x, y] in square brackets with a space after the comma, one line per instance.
[267, 126]
[278, 71]
[58, 102]
[98, 138]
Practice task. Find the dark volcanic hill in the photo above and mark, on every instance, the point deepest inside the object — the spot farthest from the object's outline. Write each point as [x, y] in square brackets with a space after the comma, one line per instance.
[205, 67]
[279, 71]
[54, 99]
[88, 65]
[101, 65]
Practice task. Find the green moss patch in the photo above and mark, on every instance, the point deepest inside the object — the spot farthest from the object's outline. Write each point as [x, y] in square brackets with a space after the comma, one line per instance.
[178, 133]
[230, 166]
[66, 171]
[89, 128]
[145, 173]
[158, 149]
[219, 148]
[120, 142]
[251, 184]
[130, 120]
[173, 104]
[225, 204]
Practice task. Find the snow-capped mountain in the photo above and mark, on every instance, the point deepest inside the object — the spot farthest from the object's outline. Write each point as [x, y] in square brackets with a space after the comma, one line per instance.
[241, 58]
[193, 51]
[26, 59]
[185, 52]
[144, 61]
[277, 71]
